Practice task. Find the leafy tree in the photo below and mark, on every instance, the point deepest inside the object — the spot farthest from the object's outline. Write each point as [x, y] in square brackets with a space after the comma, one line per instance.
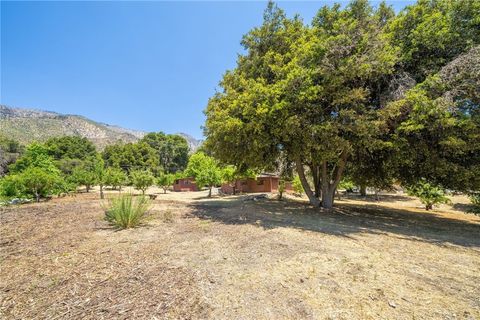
[165, 180]
[115, 178]
[35, 156]
[10, 151]
[172, 150]
[70, 147]
[38, 181]
[205, 170]
[431, 33]
[428, 194]
[132, 156]
[84, 177]
[436, 127]
[142, 179]
[304, 92]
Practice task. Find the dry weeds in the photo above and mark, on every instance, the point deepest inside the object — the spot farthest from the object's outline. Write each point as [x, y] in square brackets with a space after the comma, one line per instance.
[227, 258]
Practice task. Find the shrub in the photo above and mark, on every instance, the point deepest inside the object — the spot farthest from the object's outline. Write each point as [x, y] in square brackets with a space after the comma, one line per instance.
[297, 185]
[428, 194]
[11, 186]
[165, 180]
[475, 199]
[116, 178]
[38, 182]
[141, 180]
[127, 211]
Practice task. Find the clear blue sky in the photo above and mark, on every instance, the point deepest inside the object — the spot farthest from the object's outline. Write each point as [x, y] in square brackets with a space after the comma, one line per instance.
[142, 65]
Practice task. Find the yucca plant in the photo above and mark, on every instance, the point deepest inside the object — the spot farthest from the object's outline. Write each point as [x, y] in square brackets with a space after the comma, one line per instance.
[127, 211]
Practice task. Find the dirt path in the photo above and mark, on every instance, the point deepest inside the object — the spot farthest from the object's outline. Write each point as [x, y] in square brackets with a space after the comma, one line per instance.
[228, 258]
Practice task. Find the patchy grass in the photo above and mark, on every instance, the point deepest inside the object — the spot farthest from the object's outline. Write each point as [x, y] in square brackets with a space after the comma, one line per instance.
[227, 258]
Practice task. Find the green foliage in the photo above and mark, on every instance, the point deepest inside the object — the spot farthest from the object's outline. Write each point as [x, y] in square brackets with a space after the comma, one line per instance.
[10, 151]
[142, 179]
[205, 170]
[165, 180]
[127, 211]
[431, 33]
[303, 92]
[428, 194]
[115, 177]
[38, 182]
[132, 156]
[36, 155]
[475, 199]
[11, 186]
[84, 177]
[172, 150]
[297, 185]
[347, 185]
[70, 147]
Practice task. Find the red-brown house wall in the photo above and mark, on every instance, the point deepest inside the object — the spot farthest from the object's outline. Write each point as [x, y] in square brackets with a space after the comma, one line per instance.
[182, 185]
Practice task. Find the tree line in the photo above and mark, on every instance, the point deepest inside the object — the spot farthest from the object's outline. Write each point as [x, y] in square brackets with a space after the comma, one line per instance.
[63, 164]
[360, 94]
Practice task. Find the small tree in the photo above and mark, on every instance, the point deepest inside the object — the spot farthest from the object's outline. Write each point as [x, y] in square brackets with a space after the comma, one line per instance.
[142, 179]
[205, 170]
[428, 194]
[165, 180]
[115, 178]
[38, 182]
[11, 186]
[84, 177]
[297, 185]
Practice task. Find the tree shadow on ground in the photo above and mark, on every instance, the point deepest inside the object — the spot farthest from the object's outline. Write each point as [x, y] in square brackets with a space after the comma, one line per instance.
[345, 220]
[371, 197]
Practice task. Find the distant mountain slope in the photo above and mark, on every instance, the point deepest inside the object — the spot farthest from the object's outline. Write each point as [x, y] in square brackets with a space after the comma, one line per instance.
[27, 125]
[193, 143]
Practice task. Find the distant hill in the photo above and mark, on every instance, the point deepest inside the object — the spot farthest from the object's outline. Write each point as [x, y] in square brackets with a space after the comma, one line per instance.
[27, 125]
[193, 143]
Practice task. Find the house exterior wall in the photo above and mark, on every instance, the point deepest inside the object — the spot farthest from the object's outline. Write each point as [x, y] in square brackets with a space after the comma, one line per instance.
[250, 185]
[186, 184]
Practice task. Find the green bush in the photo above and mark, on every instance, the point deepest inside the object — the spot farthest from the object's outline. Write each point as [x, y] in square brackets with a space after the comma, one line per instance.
[475, 199]
[428, 194]
[141, 180]
[11, 187]
[127, 211]
[297, 185]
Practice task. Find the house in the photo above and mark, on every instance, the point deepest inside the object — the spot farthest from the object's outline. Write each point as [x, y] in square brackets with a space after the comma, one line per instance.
[185, 184]
[263, 183]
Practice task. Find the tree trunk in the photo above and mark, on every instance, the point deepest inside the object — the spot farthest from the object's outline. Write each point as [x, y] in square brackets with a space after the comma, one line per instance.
[164, 190]
[428, 206]
[301, 174]
[87, 187]
[101, 192]
[377, 198]
[327, 198]
[363, 190]
[210, 192]
[317, 181]
[143, 192]
[234, 188]
[37, 196]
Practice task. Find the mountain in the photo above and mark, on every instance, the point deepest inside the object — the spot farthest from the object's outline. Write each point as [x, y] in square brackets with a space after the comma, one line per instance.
[193, 143]
[27, 125]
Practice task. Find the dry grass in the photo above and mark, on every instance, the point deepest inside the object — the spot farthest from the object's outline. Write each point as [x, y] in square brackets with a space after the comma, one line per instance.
[225, 258]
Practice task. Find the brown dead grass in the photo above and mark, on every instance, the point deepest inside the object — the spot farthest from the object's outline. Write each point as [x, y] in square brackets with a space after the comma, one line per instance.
[226, 258]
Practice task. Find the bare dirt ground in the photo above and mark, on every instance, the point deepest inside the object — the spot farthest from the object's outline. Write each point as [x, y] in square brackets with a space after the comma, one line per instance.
[227, 258]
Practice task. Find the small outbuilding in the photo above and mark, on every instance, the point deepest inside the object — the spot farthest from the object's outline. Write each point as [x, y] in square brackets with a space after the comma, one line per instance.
[185, 184]
[262, 183]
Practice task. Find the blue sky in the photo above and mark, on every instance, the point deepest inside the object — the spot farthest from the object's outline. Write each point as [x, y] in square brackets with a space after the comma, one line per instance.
[142, 65]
